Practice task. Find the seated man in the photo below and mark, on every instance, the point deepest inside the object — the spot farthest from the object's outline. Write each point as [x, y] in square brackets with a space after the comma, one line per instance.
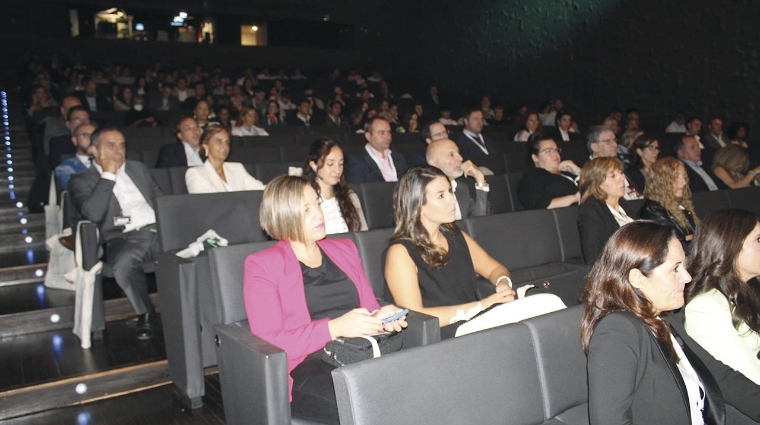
[429, 133]
[471, 194]
[81, 161]
[61, 145]
[700, 180]
[119, 196]
[184, 152]
[376, 163]
[470, 141]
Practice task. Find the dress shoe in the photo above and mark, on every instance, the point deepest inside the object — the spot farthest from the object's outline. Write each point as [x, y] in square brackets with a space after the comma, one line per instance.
[67, 241]
[144, 328]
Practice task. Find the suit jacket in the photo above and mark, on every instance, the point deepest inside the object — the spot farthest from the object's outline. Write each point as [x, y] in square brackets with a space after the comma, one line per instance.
[653, 210]
[66, 169]
[738, 390]
[204, 179]
[468, 147]
[60, 146]
[275, 302]
[555, 134]
[172, 155]
[712, 142]
[157, 101]
[697, 183]
[93, 197]
[631, 378]
[472, 202]
[595, 225]
[101, 102]
[361, 168]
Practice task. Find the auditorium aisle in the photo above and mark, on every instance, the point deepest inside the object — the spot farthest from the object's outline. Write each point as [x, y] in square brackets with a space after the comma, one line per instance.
[43, 369]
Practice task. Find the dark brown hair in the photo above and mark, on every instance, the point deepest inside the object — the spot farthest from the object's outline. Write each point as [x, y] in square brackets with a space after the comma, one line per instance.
[641, 245]
[712, 263]
[408, 199]
[317, 154]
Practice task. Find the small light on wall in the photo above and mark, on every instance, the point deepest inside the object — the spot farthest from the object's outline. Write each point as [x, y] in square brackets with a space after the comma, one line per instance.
[254, 28]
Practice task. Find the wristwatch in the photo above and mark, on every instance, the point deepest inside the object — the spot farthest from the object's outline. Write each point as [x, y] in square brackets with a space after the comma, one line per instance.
[483, 186]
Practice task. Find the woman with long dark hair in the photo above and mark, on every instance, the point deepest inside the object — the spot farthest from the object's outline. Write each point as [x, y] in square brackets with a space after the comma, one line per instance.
[638, 372]
[723, 310]
[324, 171]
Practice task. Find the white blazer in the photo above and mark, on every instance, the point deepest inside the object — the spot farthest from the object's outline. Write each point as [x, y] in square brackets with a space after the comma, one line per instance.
[708, 321]
[204, 179]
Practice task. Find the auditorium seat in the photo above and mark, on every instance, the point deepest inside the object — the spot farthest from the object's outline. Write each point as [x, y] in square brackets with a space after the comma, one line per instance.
[162, 179]
[377, 203]
[255, 155]
[513, 180]
[256, 141]
[296, 153]
[747, 198]
[499, 198]
[266, 172]
[496, 163]
[142, 132]
[517, 162]
[704, 202]
[149, 157]
[177, 177]
[372, 245]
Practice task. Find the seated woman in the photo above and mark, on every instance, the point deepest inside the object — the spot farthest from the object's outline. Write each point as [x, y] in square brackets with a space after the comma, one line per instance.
[202, 114]
[273, 116]
[531, 126]
[217, 175]
[41, 99]
[125, 101]
[430, 265]
[723, 310]
[644, 152]
[246, 123]
[340, 205]
[730, 164]
[306, 291]
[602, 210]
[553, 182]
[668, 199]
[738, 134]
[638, 371]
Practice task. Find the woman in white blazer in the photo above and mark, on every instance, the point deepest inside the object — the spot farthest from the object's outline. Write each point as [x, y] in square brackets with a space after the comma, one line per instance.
[216, 175]
[723, 303]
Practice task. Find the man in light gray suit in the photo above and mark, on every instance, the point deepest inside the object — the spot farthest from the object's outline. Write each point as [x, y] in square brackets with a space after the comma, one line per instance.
[471, 194]
[119, 196]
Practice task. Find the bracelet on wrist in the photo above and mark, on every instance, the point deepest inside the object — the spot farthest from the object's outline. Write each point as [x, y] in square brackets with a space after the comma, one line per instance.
[504, 278]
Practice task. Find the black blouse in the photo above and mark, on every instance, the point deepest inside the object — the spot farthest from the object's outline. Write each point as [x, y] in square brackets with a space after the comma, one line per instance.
[329, 292]
[538, 187]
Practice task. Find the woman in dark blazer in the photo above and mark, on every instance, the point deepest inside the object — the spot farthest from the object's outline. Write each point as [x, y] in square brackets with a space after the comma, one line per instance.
[639, 370]
[602, 210]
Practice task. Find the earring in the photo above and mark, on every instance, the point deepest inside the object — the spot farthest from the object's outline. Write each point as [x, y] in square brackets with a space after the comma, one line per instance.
[205, 151]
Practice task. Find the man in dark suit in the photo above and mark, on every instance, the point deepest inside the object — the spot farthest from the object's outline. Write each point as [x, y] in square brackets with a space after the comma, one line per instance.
[119, 196]
[90, 98]
[470, 141]
[471, 193]
[303, 117]
[376, 162]
[700, 180]
[165, 101]
[61, 145]
[186, 151]
[561, 133]
[715, 139]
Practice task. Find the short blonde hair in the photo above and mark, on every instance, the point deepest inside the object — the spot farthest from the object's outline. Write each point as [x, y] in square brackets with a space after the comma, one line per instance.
[593, 175]
[281, 211]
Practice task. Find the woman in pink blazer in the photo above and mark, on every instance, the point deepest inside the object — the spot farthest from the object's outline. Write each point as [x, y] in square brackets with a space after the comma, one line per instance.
[305, 291]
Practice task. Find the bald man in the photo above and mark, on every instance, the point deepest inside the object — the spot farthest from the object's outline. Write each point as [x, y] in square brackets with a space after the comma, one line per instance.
[467, 181]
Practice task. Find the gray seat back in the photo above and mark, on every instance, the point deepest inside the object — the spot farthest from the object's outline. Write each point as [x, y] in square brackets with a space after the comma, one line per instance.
[377, 203]
[747, 198]
[465, 380]
[371, 245]
[704, 202]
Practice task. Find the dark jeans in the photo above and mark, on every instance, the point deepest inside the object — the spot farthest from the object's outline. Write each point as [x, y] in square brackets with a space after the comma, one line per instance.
[313, 391]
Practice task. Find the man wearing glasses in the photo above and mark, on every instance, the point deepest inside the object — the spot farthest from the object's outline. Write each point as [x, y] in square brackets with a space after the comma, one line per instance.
[80, 161]
[61, 145]
[602, 143]
[429, 133]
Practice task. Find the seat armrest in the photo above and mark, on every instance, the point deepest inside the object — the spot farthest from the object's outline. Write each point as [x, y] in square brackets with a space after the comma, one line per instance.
[254, 377]
[90, 244]
[423, 329]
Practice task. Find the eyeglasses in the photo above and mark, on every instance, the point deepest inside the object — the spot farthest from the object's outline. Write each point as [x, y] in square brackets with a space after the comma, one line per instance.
[440, 134]
[613, 140]
[653, 148]
[550, 151]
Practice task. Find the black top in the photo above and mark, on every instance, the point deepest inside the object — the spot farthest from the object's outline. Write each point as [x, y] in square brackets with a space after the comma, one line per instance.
[451, 284]
[653, 210]
[538, 187]
[636, 178]
[329, 292]
[596, 224]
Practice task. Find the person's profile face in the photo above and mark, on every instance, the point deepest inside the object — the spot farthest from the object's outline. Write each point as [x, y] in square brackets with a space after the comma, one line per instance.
[665, 284]
[440, 203]
[379, 137]
[313, 218]
[748, 260]
[680, 182]
[690, 150]
[614, 184]
[447, 158]
[332, 167]
[548, 156]
[474, 122]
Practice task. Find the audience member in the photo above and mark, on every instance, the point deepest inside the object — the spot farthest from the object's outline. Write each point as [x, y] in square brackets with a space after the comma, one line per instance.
[306, 291]
[199, 94]
[551, 117]
[61, 145]
[561, 133]
[519, 119]
[668, 199]
[340, 205]
[186, 151]
[432, 97]
[165, 102]
[602, 143]
[56, 126]
[304, 115]
[613, 125]
[125, 100]
[498, 116]
[715, 139]
[202, 114]
[81, 160]
[181, 92]
[376, 162]
[246, 124]
[334, 115]
[738, 134]
[445, 118]
[471, 194]
[119, 195]
[532, 126]
[603, 209]
[693, 128]
[730, 165]
[624, 149]
[273, 115]
[41, 99]
[216, 174]
[470, 141]
[721, 313]
[138, 116]
[552, 183]
[485, 108]
[430, 264]
[90, 98]
[677, 125]
[639, 370]
[430, 132]
[644, 153]
[687, 149]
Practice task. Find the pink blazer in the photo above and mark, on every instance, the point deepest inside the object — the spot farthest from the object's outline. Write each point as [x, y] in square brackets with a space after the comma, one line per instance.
[275, 301]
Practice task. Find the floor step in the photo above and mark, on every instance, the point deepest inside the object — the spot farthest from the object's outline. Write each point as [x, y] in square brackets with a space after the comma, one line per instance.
[20, 275]
[20, 242]
[18, 227]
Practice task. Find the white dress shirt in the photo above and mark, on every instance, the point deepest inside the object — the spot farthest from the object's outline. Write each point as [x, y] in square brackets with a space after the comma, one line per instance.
[193, 156]
[477, 139]
[249, 131]
[131, 200]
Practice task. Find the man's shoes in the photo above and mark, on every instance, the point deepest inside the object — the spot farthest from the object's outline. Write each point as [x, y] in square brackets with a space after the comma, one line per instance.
[144, 328]
[67, 241]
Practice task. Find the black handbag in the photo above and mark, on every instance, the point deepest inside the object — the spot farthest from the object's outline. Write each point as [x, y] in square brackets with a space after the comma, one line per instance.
[345, 351]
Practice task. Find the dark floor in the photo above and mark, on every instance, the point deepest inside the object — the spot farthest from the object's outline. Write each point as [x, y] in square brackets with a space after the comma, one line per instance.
[48, 356]
[21, 258]
[153, 406]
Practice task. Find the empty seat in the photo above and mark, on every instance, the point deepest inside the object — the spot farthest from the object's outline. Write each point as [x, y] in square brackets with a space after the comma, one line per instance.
[513, 180]
[161, 177]
[296, 153]
[747, 198]
[704, 202]
[496, 163]
[377, 203]
[255, 155]
[256, 141]
[268, 171]
[499, 198]
[177, 177]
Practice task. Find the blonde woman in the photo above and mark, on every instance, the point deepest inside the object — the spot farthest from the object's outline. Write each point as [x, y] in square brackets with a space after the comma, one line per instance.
[730, 164]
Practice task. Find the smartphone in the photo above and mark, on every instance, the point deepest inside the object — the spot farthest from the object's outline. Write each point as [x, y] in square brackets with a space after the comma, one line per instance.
[396, 316]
